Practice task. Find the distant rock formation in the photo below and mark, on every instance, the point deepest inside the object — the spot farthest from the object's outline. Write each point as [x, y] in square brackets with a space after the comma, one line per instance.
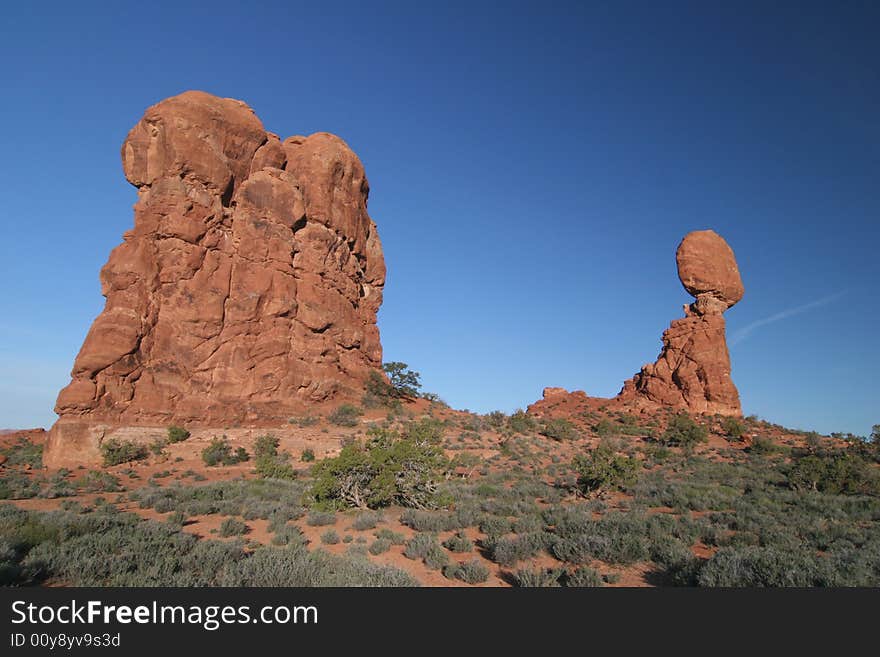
[248, 287]
[693, 369]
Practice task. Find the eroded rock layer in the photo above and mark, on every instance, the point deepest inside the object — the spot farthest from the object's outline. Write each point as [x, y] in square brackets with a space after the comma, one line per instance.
[249, 285]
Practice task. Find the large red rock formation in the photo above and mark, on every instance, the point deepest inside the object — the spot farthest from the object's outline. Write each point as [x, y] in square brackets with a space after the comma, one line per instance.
[248, 287]
[693, 369]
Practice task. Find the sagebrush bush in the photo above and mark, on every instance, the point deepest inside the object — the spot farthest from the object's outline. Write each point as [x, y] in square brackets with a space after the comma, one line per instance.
[559, 429]
[388, 535]
[219, 452]
[330, 537]
[733, 428]
[366, 520]
[684, 432]
[321, 518]
[116, 452]
[177, 434]
[345, 415]
[420, 545]
[471, 572]
[233, 527]
[521, 422]
[458, 542]
[602, 470]
[509, 551]
[269, 463]
[537, 578]
[22, 453]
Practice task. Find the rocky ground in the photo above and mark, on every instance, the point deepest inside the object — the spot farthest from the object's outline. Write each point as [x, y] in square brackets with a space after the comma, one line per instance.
[730, 508]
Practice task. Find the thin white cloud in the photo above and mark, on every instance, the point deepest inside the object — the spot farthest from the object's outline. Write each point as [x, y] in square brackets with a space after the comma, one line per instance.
[746, 331]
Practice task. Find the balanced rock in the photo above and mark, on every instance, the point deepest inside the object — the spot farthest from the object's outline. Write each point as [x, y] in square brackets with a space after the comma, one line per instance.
[693, 369]
[247, 289]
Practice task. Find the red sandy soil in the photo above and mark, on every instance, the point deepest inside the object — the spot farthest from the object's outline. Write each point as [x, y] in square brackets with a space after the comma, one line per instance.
[324, 439]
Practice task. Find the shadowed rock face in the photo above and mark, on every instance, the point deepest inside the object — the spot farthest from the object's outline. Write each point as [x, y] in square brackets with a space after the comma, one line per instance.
[693, 369]
[249, 285]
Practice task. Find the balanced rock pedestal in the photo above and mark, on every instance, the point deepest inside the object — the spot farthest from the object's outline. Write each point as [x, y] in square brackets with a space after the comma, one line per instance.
[693, 370]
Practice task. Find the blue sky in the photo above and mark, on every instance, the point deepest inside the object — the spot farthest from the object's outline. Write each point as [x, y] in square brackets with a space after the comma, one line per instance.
[532, 168]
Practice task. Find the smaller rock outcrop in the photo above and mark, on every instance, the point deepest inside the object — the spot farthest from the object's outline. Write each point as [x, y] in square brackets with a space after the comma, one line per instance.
[693, 369]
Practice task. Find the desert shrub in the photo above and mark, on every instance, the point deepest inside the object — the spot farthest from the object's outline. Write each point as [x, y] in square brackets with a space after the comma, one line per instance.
[420, 545]
[345, 415]
[265, 445]
[233, 527]
[320, 518]
[537, 578]
[613, 538]
[838, 474]
[429, 521]
[471, 572]
[458, 542]
[269, 463]
[176, 518]
[531, 522]
[299, 568]
[387, 469]
[219, 452]
[495, 526]
[380, 546]
[426, 548]
[559, 429]
[508, 551]
[583, 577]
[115, 451]
[733, 428]
[762, 446]
[601, 469]
[24, 452]
[304, 421]
[436, 558]
[96, 481]
[118, 549]
[392, 537]
[427, 430]
[330, 537]
[157, 446]
[366, 520]
[604, 428]
[308, 455]
[521, 422]
[177, 434]
[763, 566]
[496, 419]
[684, 432]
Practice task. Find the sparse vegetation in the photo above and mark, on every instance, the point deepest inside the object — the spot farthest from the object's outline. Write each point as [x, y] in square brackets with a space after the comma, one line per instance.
[233, 527]
[471, 572]
[733, 428]
[269, 463]
[683, 432]
[116, 452]
[177, 434]
[219, 452]
[345, 415]
[559, 429]
[602, 470]
[389, 468]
